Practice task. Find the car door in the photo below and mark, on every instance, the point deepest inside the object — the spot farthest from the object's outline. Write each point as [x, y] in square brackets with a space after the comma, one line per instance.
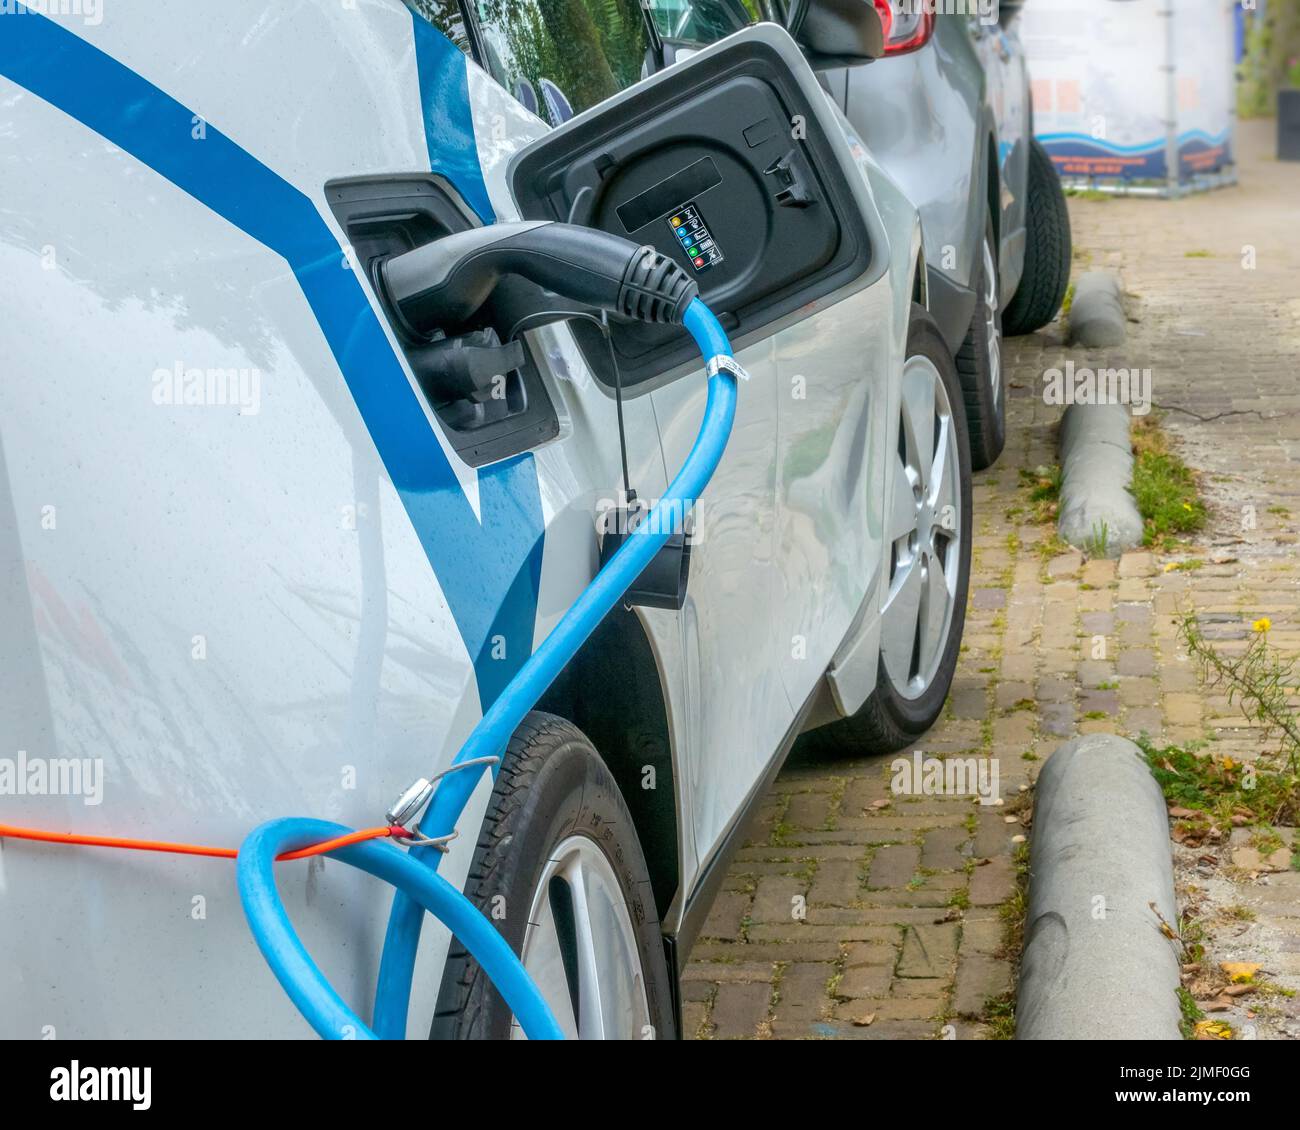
[774, 237]
[833, 383]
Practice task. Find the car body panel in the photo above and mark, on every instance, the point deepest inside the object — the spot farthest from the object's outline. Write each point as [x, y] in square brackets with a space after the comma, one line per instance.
[1003, 60]
[921, 114]
[365, 682]
[929, 116]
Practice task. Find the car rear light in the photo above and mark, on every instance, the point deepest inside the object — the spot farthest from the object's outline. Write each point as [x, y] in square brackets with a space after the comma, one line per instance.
[907, 24]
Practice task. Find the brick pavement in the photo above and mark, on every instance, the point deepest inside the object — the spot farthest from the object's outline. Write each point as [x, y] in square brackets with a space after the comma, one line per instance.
[844, 916]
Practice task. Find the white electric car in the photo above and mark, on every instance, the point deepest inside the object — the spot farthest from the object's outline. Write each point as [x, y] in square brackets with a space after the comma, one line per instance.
[266, 553]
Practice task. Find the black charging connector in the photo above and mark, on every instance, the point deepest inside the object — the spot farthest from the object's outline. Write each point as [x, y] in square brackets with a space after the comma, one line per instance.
[440, 285]
[472, 366]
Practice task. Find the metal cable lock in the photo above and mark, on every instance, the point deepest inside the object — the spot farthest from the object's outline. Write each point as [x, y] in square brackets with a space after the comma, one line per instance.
[404, 812]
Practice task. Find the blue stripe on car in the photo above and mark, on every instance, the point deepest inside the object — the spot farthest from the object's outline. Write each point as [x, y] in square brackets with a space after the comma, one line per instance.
[489, 571]
[444, 100]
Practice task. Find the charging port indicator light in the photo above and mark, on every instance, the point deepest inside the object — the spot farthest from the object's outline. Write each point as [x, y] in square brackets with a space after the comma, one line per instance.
[697, 242]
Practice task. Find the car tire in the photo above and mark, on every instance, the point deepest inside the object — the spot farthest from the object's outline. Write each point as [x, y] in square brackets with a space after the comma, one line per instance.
[1048, 250]
[979, 360]
[557, 820]
[894, 716]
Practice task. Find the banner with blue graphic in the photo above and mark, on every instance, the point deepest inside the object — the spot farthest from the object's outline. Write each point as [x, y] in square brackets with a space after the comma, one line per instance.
[1104, 93]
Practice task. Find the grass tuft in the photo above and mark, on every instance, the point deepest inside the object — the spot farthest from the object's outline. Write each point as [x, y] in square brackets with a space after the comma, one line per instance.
[1164, 487]
[1044, 486]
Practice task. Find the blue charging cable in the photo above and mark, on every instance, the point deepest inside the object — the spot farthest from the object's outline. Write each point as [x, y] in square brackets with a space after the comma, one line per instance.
[419, 887]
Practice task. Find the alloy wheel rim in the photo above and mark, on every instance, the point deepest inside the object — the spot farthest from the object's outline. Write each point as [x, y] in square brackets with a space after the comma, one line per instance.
[580, 947]
[992, 331]
[924, 533]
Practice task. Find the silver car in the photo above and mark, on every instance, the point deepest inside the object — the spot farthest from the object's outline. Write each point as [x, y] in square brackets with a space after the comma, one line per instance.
[947, 112]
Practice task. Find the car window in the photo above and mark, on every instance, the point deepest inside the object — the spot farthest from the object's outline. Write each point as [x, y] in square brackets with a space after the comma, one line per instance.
[559, 57]
[703, 21]
[446, 16]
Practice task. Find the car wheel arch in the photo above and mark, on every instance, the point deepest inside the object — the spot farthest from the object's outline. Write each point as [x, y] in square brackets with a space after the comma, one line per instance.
[627, 721]
[992, 185]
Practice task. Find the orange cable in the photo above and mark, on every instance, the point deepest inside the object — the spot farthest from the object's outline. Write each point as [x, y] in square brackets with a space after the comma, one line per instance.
[195, 849]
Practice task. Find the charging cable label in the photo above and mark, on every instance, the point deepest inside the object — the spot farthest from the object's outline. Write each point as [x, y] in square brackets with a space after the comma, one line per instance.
[721, 363]
[695, 238]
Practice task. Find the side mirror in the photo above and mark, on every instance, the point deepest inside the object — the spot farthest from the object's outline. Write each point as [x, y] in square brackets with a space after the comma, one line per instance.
[837, 33]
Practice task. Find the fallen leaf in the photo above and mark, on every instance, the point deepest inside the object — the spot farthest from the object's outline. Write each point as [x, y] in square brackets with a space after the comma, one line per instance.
[879, 804]
[1165, 928]
[1178, 812]
[1239, 971]
[1239, 990]
[1219, 1004]
[1212, 1030]
[864, 1021]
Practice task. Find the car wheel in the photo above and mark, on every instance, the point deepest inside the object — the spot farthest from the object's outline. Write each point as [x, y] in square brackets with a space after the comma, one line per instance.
[979, 361]
[560, 871]
[1047, 250]
[928, 546]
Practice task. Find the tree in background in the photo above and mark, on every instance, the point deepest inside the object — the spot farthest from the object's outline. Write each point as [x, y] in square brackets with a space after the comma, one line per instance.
[1272, 57]
[445, 15]
[590, 49]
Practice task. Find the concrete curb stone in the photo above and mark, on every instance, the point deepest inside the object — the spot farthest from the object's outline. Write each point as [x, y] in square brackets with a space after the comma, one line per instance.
[1097, 311]
[1096, 510]
[1096, 965]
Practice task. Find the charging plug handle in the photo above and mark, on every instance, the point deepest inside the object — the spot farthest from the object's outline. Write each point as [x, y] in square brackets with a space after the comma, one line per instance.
[440, 285]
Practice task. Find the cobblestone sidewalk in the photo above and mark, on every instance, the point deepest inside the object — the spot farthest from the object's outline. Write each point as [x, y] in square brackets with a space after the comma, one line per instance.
[853, 913]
